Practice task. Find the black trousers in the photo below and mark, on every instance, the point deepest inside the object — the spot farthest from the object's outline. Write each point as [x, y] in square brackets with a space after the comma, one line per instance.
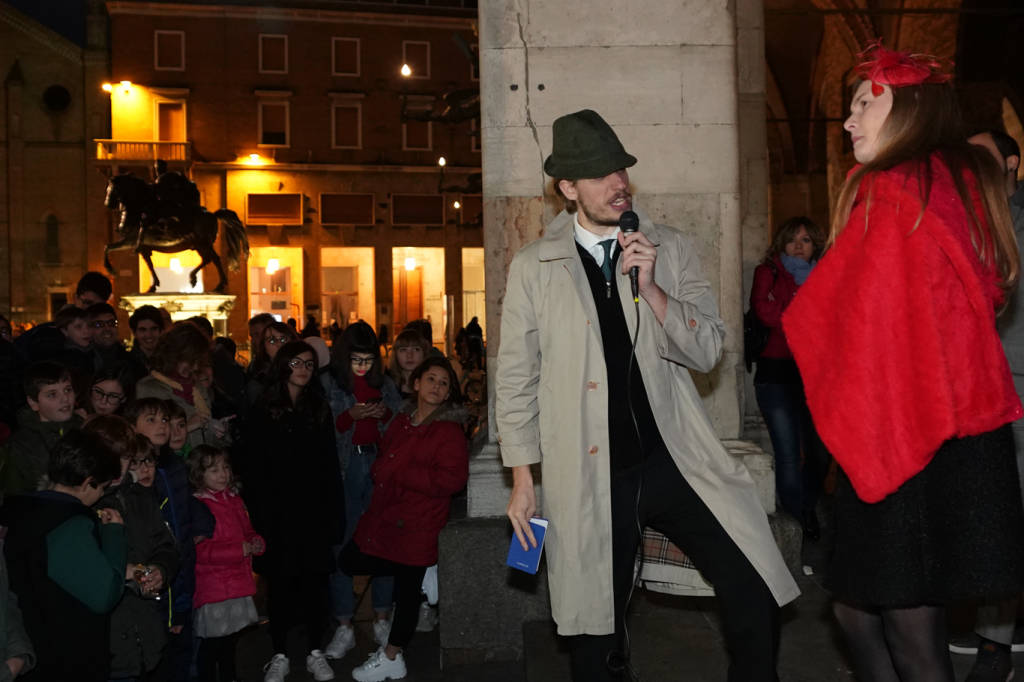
[297, 599]
[667, 503]
[408, 581]
[216, 659]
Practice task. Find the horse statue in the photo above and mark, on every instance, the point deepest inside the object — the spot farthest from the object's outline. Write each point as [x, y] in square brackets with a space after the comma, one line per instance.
[166, 216]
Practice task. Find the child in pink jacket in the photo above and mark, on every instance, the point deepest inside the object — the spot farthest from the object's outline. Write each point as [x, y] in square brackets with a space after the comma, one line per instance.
[224, 585]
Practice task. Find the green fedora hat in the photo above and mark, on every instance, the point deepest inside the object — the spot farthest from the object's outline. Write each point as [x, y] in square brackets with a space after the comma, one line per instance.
[585, 146]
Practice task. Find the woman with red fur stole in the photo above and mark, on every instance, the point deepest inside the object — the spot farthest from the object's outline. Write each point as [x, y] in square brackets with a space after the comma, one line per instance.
[894, 334]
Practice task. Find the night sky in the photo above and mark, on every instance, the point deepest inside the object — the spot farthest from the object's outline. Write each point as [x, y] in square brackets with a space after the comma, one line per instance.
[66, 17]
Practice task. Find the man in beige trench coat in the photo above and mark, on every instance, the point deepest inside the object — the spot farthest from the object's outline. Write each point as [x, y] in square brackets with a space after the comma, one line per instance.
[623, 444]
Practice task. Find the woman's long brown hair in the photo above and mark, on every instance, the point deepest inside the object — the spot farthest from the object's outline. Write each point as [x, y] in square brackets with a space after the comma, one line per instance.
[925, 119]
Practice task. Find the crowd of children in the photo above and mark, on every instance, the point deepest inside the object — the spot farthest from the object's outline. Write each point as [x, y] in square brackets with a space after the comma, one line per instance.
[146, 491]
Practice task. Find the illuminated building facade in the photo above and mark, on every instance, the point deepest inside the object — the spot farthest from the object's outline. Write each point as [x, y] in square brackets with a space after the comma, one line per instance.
[52, 221]
[300, 120]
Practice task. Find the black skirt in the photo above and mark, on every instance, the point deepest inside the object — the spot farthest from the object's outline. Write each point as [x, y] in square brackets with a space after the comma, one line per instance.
[953, 532]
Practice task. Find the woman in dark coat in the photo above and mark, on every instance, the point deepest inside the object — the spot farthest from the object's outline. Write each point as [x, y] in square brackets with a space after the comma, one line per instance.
[795, 250]
[293, 489]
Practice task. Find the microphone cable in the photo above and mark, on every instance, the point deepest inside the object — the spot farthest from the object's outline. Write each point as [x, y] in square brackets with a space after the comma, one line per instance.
[618, 662]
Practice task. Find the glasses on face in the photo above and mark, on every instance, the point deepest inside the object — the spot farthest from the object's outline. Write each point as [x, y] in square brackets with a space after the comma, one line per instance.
[362, 361]
[275, 340]
[295, 363]
[143, 462]
[104, 397]
[100, 324]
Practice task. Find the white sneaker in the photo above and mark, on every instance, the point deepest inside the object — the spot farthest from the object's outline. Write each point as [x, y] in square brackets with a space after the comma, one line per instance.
[379, 667]
[381, 630]
[317, 665]
[276, 669]
[342, 642]
[428, 618]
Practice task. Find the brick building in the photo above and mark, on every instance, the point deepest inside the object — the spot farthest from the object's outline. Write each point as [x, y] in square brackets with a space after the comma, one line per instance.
[296, 117]
[52, 221]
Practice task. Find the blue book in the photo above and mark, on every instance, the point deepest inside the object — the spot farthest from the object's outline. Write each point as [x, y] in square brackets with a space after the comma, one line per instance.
[528, 560]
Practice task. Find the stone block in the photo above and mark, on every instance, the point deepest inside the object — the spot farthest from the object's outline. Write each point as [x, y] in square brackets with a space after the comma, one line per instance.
[750, 58]
[483, 609]
[489, 484]
[513, 160]
[612, 22]
[705, 75]
[500, 71]
[501, 24]
[696, 159]
[749, 13]
[637, 85]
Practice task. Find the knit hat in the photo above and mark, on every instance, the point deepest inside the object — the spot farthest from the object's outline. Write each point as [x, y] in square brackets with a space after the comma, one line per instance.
[584, 146]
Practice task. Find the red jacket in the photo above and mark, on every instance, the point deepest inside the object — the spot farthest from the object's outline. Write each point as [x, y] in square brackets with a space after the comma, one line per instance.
[772, 292]
[221, 571]
[894, 333]
[418, 470]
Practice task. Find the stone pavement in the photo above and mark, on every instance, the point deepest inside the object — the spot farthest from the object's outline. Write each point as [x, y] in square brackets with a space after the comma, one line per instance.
[674, 638]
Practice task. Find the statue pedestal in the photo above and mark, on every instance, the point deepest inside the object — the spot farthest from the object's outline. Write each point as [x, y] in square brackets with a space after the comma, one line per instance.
[214, 307]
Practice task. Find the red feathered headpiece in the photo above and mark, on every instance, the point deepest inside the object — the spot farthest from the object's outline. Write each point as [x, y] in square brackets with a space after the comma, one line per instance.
[898, 69]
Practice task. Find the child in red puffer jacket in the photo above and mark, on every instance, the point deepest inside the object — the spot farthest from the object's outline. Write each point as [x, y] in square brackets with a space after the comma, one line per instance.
[224, 583]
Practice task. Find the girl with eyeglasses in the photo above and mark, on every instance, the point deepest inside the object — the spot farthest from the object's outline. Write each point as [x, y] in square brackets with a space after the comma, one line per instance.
[107, 393]
[362, 399]
[274, 336]
[294, 493]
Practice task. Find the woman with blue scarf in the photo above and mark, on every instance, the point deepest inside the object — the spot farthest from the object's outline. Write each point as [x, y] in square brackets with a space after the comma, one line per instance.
[780, 393]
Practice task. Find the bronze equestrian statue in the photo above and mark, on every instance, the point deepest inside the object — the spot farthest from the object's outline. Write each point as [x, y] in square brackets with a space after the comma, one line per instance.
[166, 216]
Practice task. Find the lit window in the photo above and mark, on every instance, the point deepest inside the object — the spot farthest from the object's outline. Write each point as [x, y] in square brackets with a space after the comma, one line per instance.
[416, 53]
[417, 209]
[273, 209]
[347, 125]
[273, 123]
[345, 56]
[169, 50]
[273, 53]
[346, 209]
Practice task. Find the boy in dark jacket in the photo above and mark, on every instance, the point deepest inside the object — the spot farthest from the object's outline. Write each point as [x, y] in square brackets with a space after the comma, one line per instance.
[68, 561]
[51, 399]
[184, 515]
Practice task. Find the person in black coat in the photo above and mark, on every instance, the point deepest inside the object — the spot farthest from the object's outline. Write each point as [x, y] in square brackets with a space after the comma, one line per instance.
[294, 494]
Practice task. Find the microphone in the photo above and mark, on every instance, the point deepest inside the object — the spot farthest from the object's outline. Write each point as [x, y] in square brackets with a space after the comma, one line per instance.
[629, 222]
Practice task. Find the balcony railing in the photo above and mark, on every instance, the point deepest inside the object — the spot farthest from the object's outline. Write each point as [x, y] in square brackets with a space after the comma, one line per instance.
[143, 150]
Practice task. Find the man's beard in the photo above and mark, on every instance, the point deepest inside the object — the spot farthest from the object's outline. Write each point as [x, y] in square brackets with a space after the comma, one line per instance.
[592, 217]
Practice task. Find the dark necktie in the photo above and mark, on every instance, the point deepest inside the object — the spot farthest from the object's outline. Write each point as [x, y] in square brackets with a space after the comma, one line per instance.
[606, 265]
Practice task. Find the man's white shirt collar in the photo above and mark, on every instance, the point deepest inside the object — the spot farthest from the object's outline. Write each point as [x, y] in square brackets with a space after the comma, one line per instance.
[590, 241]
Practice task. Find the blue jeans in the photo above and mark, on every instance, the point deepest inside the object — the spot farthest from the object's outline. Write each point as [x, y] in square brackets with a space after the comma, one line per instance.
[797, 482]
[358, 487]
